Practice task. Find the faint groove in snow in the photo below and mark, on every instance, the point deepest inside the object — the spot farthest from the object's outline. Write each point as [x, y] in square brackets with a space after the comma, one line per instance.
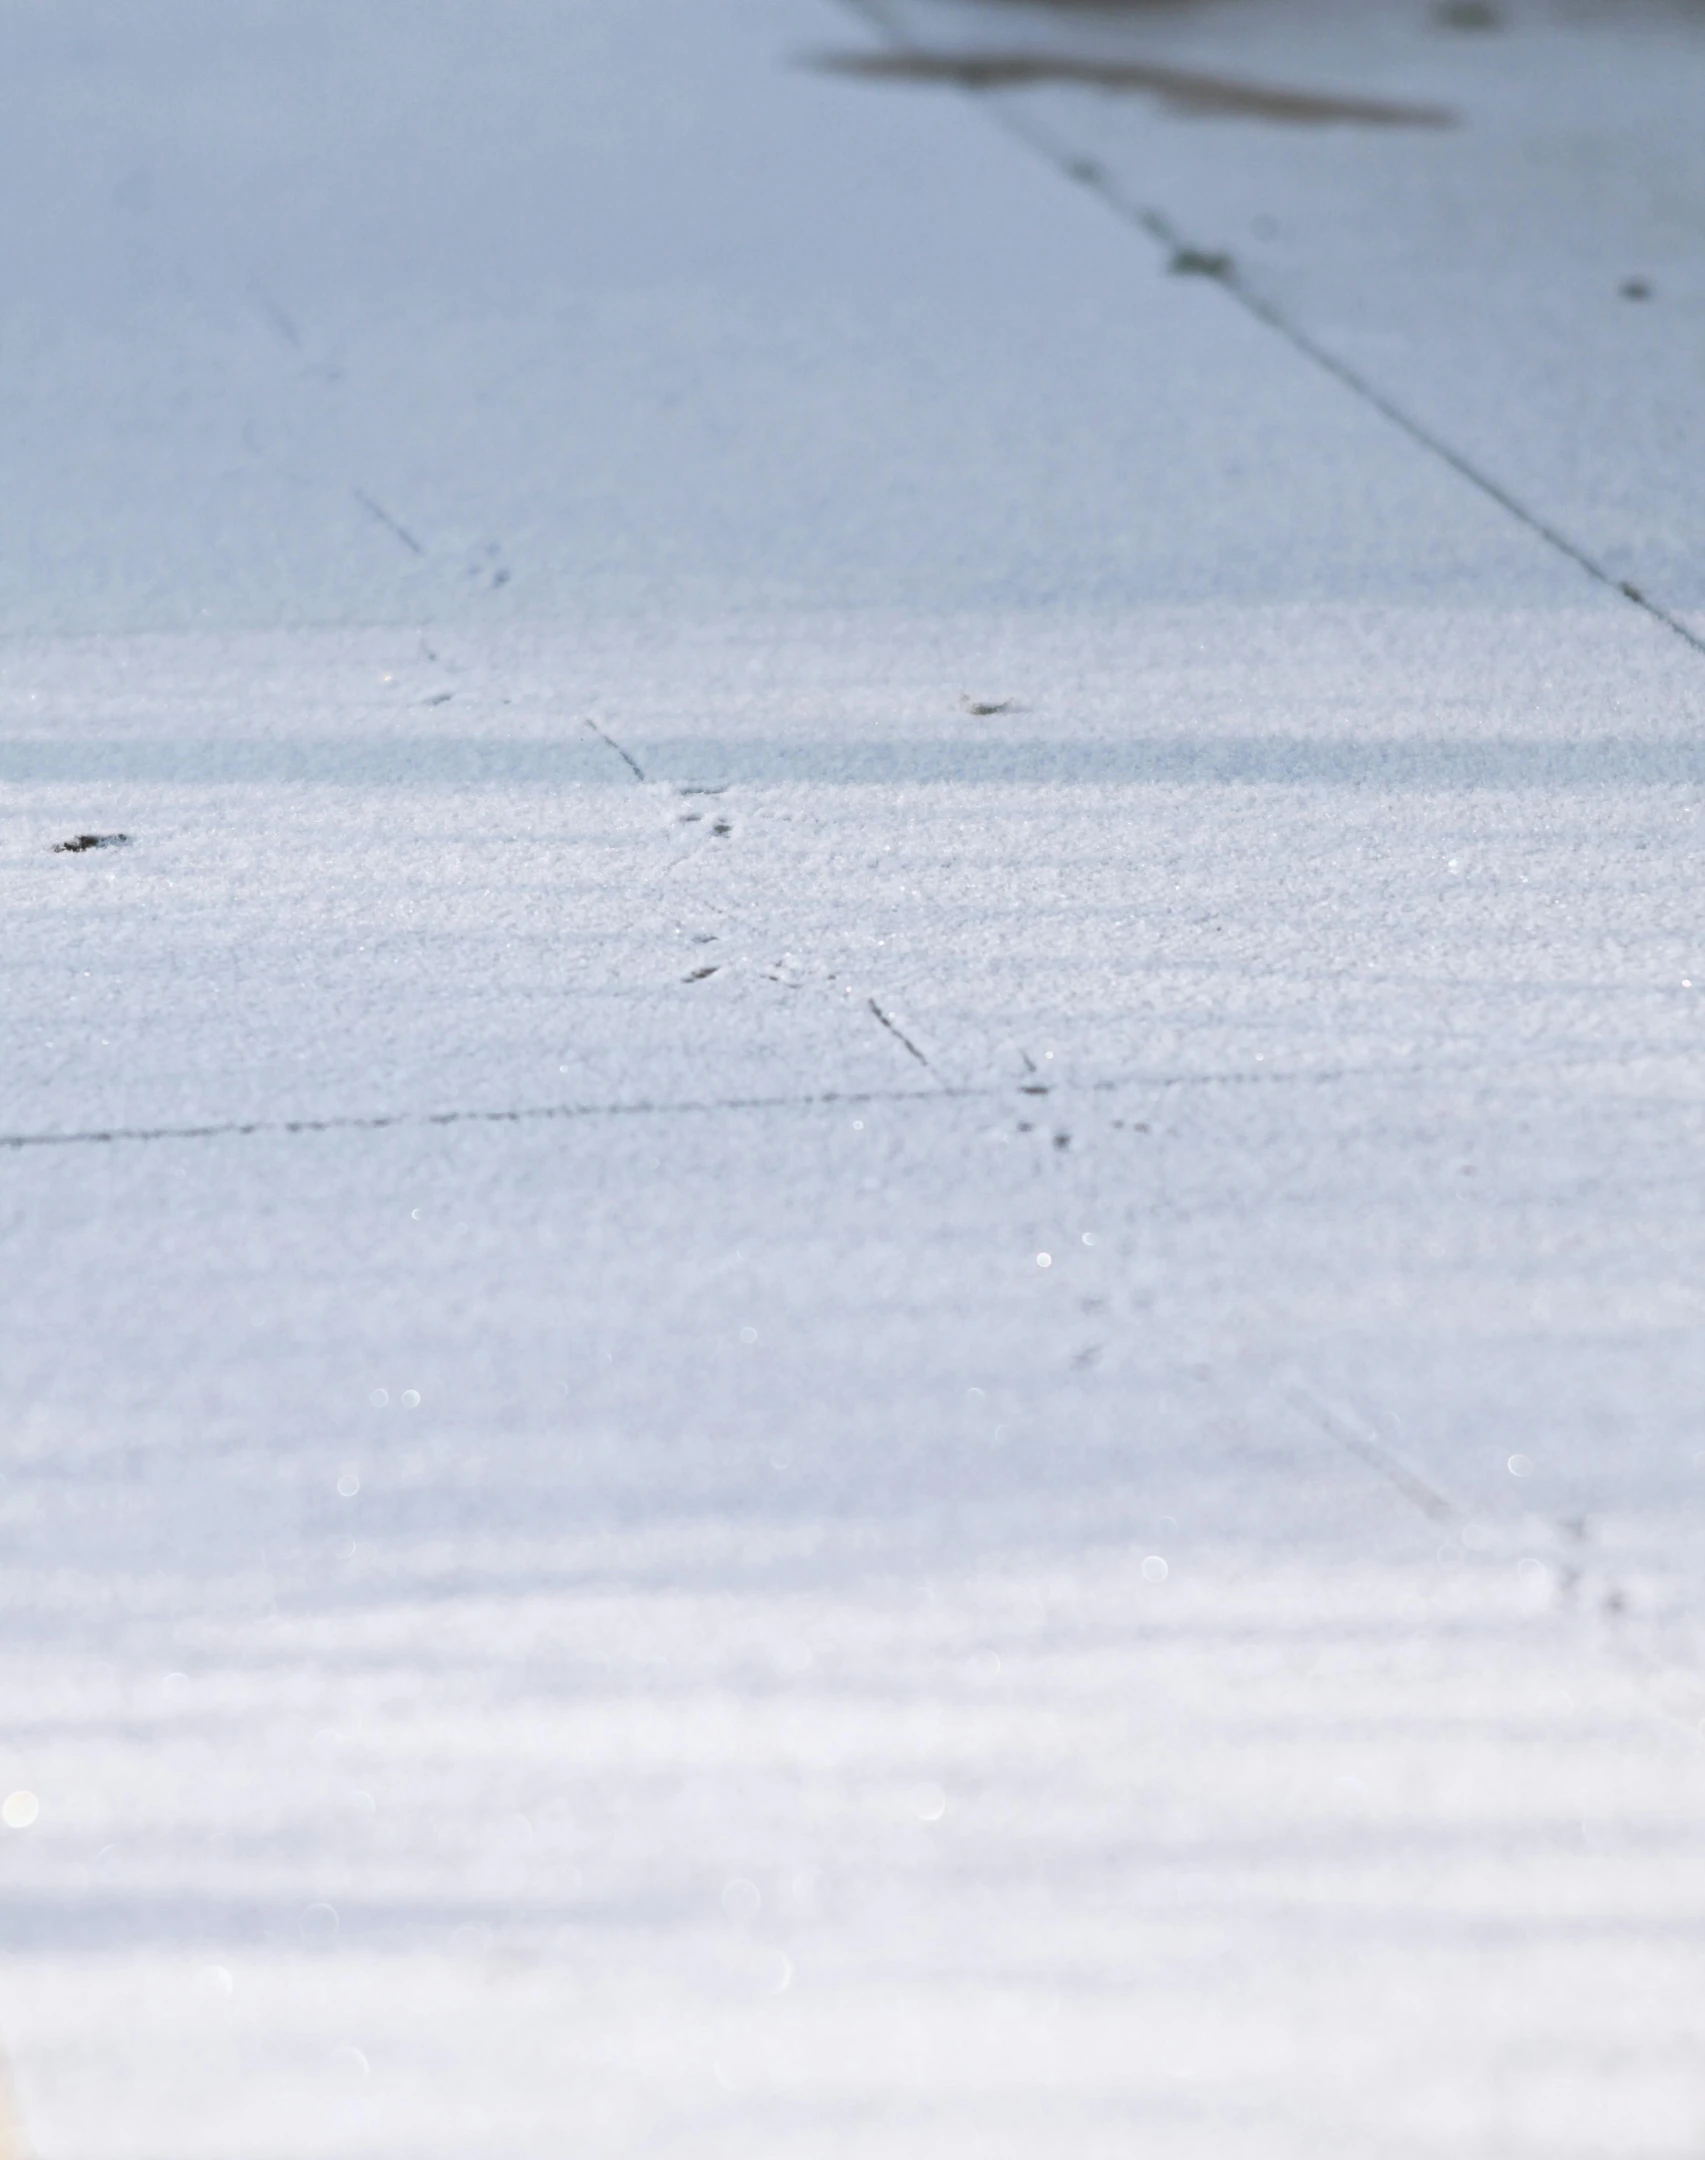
[1361, 1444]
[1085, 172]
[282, 326]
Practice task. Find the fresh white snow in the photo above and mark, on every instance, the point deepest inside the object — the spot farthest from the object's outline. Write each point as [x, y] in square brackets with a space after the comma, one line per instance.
[746, 1413]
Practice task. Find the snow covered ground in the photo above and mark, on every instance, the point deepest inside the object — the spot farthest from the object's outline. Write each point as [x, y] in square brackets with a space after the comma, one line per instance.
[853, 1286]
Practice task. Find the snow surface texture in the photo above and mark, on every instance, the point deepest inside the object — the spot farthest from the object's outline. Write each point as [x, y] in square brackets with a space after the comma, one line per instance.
[748, 1414]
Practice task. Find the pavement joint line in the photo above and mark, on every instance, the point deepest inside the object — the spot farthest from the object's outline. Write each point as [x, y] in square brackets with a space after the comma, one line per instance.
[385, 1120]
[1358, 384]
[1157, 226]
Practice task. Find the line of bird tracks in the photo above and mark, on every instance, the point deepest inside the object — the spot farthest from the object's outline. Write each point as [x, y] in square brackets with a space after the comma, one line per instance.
[703, 802]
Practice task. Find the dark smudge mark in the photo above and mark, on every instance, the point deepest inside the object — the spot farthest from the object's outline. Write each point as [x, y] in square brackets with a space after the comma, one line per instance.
[1199, 262]
[1184, 91]
[1467, 15]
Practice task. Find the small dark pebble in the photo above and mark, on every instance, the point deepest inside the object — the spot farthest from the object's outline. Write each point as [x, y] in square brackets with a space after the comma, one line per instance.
[83, 841]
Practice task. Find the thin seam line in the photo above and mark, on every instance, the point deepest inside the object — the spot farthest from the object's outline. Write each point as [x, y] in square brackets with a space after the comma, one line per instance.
[1087, 173]
[1264, 311]
[381, 1121]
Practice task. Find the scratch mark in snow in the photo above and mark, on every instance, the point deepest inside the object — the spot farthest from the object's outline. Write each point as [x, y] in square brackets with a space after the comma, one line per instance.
[903, 1039]
[385, 518]
[632, 763]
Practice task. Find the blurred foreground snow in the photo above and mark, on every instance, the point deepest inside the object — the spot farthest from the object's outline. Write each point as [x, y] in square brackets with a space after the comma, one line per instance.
[748, 1414]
